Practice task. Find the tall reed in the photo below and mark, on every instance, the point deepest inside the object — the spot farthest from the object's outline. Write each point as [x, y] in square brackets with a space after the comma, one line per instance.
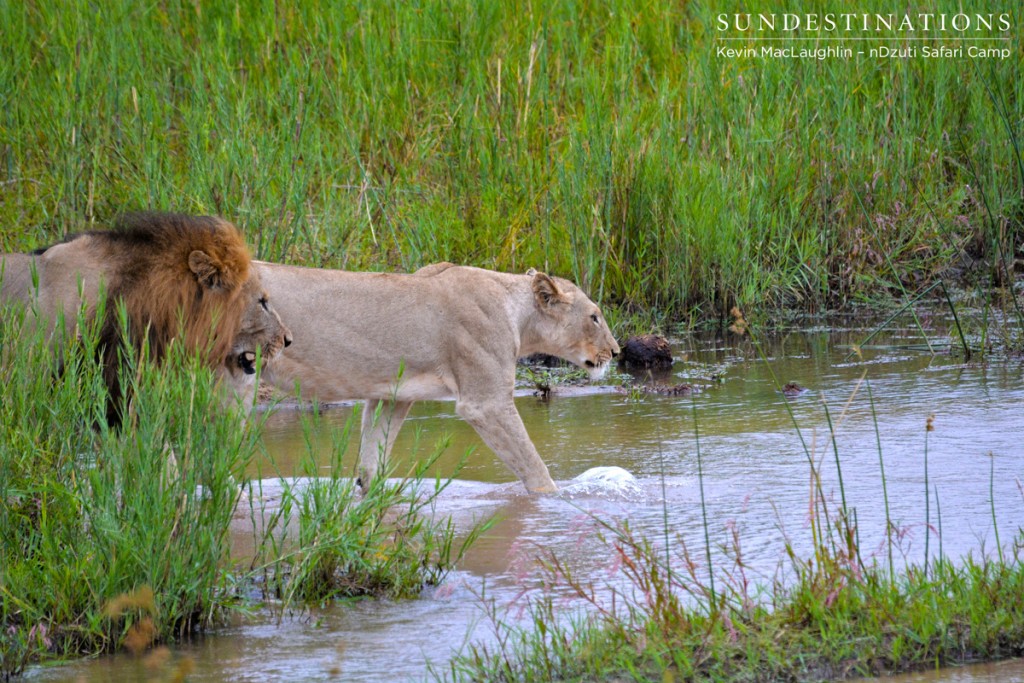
[610, 143]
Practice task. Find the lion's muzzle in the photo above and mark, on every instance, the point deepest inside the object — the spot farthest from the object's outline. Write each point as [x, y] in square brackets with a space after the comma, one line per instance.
[597, 367]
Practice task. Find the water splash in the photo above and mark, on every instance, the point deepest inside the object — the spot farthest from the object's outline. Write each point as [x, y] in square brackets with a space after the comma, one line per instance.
[605, 482]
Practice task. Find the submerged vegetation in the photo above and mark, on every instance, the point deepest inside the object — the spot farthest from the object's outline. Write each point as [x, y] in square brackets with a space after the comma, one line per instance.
[607, 142]
[326, 540]
[120, 538]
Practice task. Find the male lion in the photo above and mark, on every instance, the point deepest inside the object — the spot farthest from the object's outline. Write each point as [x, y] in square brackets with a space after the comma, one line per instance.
[178, 277]
[453, 331]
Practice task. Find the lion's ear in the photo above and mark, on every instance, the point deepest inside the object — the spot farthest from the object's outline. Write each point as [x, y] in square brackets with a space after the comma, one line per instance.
[209, 272]
[546, 292]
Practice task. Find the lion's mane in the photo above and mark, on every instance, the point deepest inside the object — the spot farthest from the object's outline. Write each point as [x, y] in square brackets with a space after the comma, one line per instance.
[178, 276]
[168, 290]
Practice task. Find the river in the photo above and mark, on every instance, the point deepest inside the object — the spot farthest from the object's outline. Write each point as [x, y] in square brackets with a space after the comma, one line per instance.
[756, 481]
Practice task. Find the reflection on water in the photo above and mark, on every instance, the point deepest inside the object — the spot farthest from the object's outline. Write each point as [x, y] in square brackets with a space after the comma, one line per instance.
[757, 478]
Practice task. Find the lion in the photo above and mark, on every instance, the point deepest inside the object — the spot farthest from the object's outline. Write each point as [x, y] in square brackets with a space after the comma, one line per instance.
[178, 277]
[445, 331]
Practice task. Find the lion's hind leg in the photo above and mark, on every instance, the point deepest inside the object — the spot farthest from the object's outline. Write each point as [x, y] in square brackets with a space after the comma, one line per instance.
[382, 419]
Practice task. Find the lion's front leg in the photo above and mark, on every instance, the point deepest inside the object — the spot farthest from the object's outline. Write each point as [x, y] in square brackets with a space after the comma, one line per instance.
[501, 428]
[378, 436]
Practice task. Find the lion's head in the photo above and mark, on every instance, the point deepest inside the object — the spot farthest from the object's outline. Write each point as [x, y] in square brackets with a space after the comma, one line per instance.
[179, 277]
[570, 325]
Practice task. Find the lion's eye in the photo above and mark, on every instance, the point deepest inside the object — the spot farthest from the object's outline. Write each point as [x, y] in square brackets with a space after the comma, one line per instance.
[593, 316]
[263, 303]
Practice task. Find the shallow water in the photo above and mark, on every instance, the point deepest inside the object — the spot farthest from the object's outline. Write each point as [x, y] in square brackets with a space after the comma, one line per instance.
[756, 479]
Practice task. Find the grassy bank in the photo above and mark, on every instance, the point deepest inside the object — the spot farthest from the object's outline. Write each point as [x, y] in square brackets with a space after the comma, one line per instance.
[838, 620]
[608, 142]
[112, 540]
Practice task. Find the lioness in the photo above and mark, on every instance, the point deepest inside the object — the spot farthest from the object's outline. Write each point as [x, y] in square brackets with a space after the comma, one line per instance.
[454, 331]
[186, 277]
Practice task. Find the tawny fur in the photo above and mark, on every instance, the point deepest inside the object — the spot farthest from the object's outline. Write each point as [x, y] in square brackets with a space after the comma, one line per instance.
[449, 331]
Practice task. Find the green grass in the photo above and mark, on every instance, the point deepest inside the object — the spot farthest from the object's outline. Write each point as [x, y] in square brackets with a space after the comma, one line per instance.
[89, 515]
[325, 540]
[836, 621]
[121, 539]
[606, 142]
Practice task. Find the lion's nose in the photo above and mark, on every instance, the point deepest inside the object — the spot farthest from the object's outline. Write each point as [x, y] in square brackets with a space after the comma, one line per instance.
[287, 340]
